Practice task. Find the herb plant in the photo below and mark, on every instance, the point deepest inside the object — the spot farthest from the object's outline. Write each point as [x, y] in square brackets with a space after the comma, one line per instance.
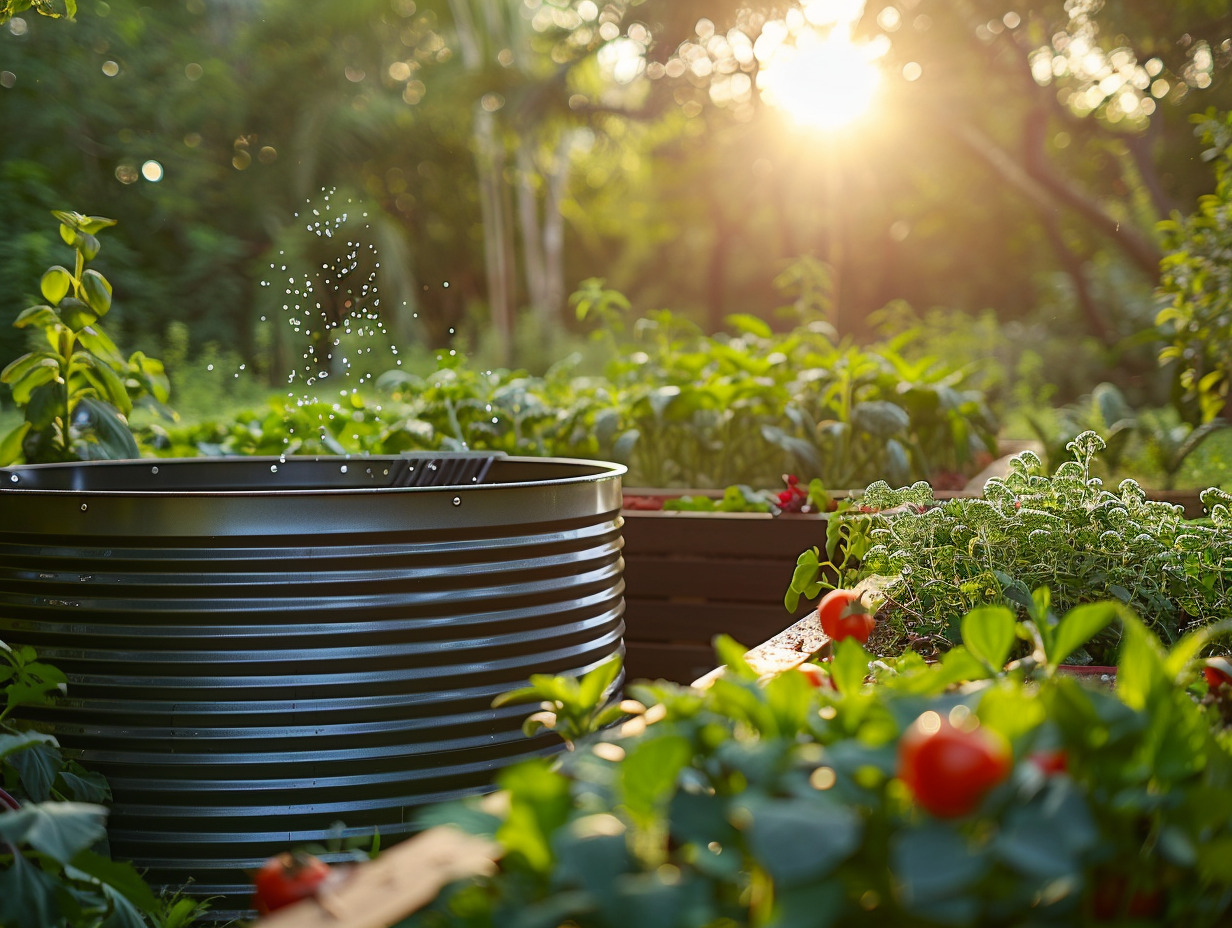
[1063, 531]
[77, 391]
[780, 803]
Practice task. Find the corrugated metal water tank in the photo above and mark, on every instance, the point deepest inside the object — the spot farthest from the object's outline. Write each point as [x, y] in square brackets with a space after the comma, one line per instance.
[258, 648]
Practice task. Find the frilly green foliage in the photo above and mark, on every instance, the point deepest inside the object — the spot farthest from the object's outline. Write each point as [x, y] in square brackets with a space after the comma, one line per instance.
[1061, 530]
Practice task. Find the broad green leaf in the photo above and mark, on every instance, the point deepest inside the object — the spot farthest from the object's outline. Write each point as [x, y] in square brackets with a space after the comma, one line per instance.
[647, 778]
[10, 445]
[958, 665]
[121, 876]
[87, 244]
[113, 439]
[55, 284]
[105, 380]
[46, 371]
[539, 803]
[880, 417]
[1079, 626]
[37, 767]
[96, 291]
[849, 666]
[594, 685]
[989, 634]
[85, 786]
[754, 325]
[61, 830]
[46, 403]
[1048, 839]
[94, 224]
[98, 342]
[28, 895]
[76, 314]
[801, 840]
[21, 741]
[18, 368]
[1189, 647]
[935, 864]
[38, 316]
[1141, 674]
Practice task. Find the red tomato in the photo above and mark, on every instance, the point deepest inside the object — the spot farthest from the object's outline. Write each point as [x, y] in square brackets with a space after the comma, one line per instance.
[949, 770]
[816, 676]
[1218, 672]
[1050, 761]
[843, 615]
[287, 878]
[1110, 903]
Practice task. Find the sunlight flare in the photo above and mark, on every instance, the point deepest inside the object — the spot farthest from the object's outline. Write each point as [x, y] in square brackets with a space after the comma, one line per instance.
[823, 82]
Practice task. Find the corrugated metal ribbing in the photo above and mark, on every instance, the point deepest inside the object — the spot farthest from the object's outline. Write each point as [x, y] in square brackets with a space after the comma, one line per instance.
[249, 666]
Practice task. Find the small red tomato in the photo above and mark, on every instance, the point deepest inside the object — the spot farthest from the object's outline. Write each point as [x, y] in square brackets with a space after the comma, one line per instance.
[816, 676]
[843, 615]
[287, 878]
[948, 769]
[1050, 761]
[1111, 901]
[1218, 672]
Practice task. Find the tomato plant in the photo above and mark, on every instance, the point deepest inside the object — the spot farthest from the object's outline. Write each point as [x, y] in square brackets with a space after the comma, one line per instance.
[843, 615]
[949, 769]
[287, 878]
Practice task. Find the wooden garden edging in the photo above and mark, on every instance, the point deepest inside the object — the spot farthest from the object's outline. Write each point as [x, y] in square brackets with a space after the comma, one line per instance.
[692, 575]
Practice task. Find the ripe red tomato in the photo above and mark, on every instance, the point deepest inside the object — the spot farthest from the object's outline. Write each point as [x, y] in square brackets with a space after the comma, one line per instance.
[287, 878]
[1218, 672]
[816, 676]
[948, 769]
[1050, 761]
[843, 615]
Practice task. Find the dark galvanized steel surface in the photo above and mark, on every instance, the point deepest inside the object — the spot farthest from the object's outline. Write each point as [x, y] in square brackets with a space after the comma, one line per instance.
[260, 648]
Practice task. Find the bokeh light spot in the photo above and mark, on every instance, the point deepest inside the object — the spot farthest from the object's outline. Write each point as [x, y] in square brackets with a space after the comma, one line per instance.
[152, 171]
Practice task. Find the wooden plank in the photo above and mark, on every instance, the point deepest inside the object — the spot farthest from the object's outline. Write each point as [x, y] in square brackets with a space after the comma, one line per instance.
[731, 534]
[723, 579]
[651, 620]
[404, 878]
[679, 663]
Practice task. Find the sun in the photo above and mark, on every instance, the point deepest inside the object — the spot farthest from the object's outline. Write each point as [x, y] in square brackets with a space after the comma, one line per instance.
[823, 82]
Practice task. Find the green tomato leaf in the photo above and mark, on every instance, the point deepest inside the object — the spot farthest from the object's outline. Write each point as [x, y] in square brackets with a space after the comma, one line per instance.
[56, 283]
[1078, 626]
[594, 685]
[647, 777]
[849, 666]
[989, 634]
[801, 840]
[936, 867]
